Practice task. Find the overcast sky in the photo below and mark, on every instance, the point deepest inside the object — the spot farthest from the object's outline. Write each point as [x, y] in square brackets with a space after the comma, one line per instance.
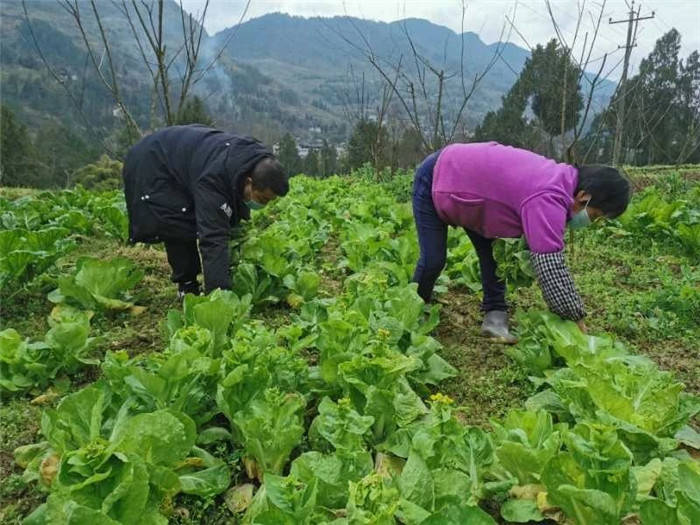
[487, 18]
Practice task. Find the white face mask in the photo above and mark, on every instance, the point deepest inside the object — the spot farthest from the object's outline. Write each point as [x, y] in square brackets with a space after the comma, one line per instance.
[581, 219]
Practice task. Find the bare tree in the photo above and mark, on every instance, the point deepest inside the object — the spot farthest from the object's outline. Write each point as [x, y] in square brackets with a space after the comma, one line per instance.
[174, 67]
[582, 62]
[422, 86]
[76, 101]
[359, 106]
[110, 79]
[355, 97]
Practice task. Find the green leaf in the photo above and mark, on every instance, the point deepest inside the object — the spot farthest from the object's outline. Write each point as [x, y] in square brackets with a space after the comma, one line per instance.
[586, 506]
[521, 511]
[206, 483]
[646, 477]
[416, 482]
[688, 436]
[450, 483]
[339, 425]
[566, 481]
[77, 420]
[655, 512]
[456, 512]
[333, 473]
[689, 480]
[282, 500]
[161, 438]
[373, 499]
[410, 513]
[212, 435]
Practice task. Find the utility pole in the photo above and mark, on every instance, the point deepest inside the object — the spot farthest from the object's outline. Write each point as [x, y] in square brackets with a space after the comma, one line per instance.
[632, 22]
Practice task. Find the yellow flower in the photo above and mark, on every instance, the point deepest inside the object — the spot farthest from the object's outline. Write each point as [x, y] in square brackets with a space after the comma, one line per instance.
[441, 398]
[383, 333]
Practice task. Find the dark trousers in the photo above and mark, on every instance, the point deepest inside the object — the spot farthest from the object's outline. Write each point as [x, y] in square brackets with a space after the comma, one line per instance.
[432, 239]
[183, 258]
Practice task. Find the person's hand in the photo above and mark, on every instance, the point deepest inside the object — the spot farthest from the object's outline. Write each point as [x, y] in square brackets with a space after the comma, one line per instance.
[582, 326]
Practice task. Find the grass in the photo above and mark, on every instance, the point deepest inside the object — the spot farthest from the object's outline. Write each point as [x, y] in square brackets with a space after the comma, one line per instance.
[20, 425]
[643, 291]
[488, 384]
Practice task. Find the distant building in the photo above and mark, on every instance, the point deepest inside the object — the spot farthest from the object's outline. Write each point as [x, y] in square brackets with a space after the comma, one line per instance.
[306, 147]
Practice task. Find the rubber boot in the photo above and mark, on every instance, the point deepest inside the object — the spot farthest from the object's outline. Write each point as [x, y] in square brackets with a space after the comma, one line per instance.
[495, 327]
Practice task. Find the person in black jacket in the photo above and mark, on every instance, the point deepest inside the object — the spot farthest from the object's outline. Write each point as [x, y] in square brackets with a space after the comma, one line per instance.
[185, 184]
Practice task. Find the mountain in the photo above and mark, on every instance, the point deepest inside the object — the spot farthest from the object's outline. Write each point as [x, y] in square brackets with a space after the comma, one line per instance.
[29, 89]
[316, 56]
[326, 47]
[277, 73]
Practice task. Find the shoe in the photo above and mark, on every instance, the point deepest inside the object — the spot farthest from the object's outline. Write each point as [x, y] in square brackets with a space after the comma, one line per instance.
[188, 287]
[495, 327]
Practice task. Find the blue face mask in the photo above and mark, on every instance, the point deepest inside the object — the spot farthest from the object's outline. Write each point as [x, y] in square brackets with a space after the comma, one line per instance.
[581, 219]
[254, 205]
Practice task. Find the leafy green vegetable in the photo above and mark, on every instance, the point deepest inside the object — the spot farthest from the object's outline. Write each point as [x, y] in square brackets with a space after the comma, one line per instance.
[116, 467]
[526, 441]
[65, 349]
[99, 284]
[335, 398]
[677, 488]
[271, 426]
[221, 312]
[339, 426]
[591, 481]
[514, 265]
[373, 499]
[376, 387]
[646, 405]
[332, 473]
[282, 501]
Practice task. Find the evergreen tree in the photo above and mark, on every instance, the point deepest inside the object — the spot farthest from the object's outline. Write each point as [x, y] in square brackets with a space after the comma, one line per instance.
[311, 164]
[17, 157]
[368, 143]
[61, 151]
[542, 85]
[662, 120]
[689, 116]
[409, 149]
[288, 155]
[328, 160]
[105, 174]
[547, 73]
[657, 84]
[194, 112]
[507, 125]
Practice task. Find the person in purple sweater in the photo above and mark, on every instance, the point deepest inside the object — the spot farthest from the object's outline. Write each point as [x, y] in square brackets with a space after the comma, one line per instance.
[495, 191]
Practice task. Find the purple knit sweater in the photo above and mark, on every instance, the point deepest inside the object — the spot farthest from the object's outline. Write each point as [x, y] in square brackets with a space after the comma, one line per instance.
[501, 191]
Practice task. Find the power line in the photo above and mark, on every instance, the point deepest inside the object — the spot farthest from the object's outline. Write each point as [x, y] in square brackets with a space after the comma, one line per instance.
[632, 25]
[565, 14]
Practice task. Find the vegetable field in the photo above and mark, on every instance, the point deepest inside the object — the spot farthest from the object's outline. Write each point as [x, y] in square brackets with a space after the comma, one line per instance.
[321, 390]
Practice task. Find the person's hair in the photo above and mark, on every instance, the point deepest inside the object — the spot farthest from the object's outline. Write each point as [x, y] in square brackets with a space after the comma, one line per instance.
[269, 173]
[609, 189]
